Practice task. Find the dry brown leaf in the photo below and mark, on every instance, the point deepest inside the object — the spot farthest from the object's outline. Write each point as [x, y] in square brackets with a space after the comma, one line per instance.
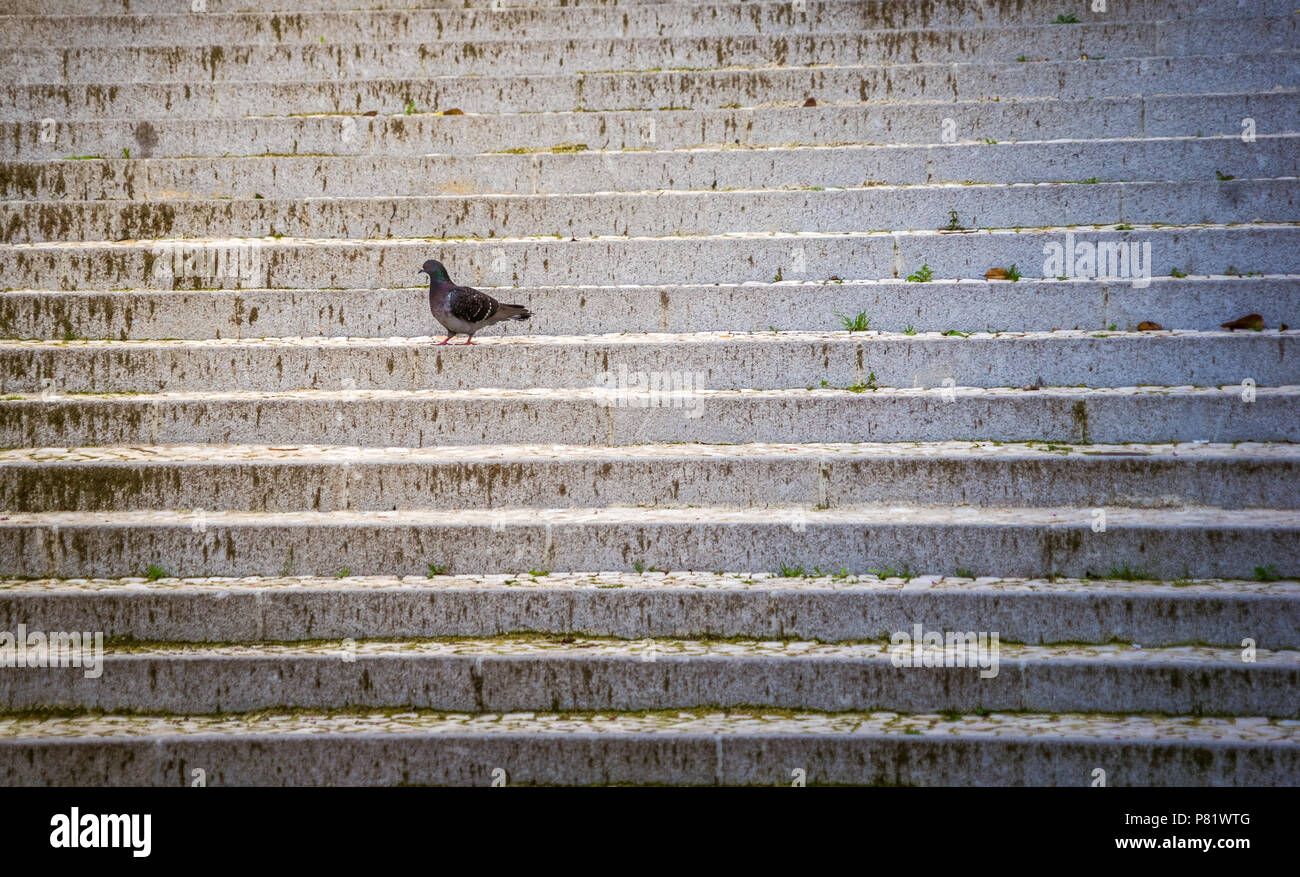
[452, 112]
[371, 113]
[1148, 326]
[997, 274]
[1253, 322]
[811, 102]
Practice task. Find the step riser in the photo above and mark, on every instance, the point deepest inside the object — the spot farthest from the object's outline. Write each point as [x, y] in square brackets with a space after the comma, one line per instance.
[235, 616]
[1216, 416]
[571, 759]
[918, 123]
[765, 362]
[433, 26]
[207, 547]
[701, 90]
[901, 12]
[288, 264]
[1195, 303]
[543, 173]
[1092, 482]
[578, 55]
[694, 213]
[553, 24]
[197, 684]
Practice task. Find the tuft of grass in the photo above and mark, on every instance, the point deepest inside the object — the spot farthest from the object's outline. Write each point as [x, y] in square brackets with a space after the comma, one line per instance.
[956, 333]
[409, 109]
[562, 148]
[1267, 573]
[964, 573]
[862, 387]
[538, 573]
[860, 323]
[1223, 178]
[1126, 573]
[1174, 272]
[791, 572]
[1066, 19]
[921, 275]
[126, 153]
[776, 278]
[154, 572]
[954, 224]
[1013, 273]
[437, 569]
[343, 573]
[909, 330]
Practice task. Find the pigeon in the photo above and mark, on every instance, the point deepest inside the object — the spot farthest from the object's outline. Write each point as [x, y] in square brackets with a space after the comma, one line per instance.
[462, 310]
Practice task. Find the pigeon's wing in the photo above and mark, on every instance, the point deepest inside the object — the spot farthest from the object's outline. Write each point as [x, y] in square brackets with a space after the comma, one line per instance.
[470, 305]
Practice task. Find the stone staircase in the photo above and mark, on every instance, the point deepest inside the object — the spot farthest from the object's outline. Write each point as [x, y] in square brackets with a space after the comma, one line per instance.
[769, 427]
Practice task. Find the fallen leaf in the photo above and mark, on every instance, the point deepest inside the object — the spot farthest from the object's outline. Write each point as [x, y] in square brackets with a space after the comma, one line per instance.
[1031, 387]
[1253, 322]
[451, 112]
[997, 274]
[371, 113]
[811, 102]
[1148, 326]
[1283, 327]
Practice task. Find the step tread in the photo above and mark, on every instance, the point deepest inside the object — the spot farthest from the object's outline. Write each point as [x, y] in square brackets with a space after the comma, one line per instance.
[615, 197]
[571, 647]
[732, 723]
[633, 339]
[691, 582]
[1192, 517]
[240, 454]
[286, 241]
[610, 396]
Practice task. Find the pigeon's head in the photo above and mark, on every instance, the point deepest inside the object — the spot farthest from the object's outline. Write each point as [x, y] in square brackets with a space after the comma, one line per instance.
[435, 270]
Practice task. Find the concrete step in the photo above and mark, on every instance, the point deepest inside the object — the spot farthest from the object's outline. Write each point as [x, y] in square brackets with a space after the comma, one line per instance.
[652, 213]
[824, 474]
[426, 418]
[900, 11]
[913, 122]
[1187, 159]
[229, 61]
[292, 263]
[1191, 303]
[1162, 543]
[540, 23]
[509, 674]
[1078, 79]
[639, 362]
[708, 747]
[657, 604]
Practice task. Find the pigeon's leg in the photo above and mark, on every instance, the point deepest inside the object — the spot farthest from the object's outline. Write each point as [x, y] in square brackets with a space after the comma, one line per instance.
[445, 340]
[469, 339]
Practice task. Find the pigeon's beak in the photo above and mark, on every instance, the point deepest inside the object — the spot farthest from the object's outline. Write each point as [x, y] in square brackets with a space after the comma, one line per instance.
[422, 271]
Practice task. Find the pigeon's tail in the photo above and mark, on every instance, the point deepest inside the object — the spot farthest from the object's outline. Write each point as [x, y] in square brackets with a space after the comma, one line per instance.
[514, 312]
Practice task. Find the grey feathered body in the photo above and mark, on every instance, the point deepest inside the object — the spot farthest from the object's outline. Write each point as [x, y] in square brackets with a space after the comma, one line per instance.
[464, 310]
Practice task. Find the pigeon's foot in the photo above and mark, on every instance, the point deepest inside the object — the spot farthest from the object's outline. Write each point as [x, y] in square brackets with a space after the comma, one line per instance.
[443, 341]
[469, 340]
